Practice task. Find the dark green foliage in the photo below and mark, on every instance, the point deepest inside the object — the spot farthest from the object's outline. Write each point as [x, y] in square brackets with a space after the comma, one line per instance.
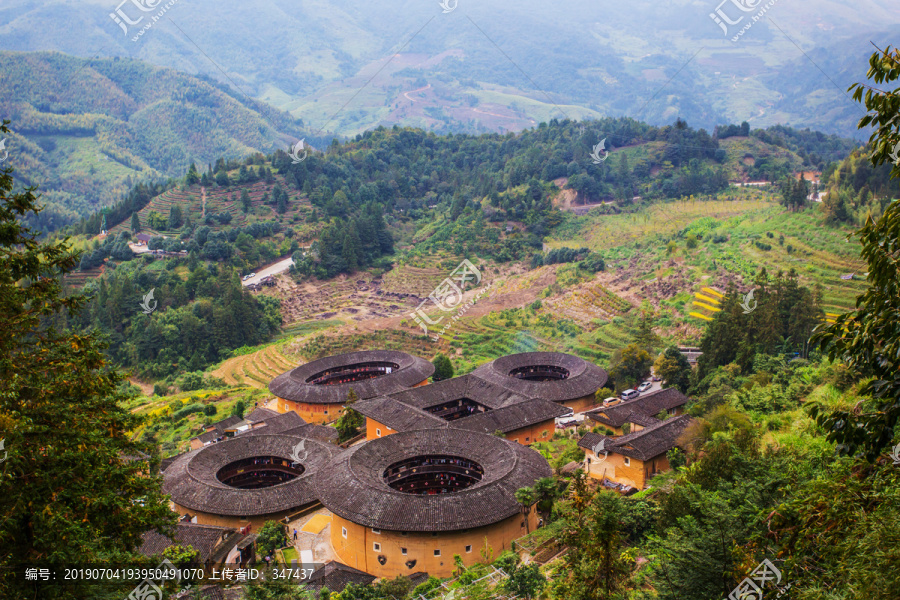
[205, 316]
[629, 365]
[135, 200]
[210, 410]
[350, 421]
[113, 246]
[71, 494]
[175, 217]
[674, 369]
[794, 193]
[271, 536]
[594, 567]
[238, 409]
[559, 255]
[135, 223]
[784, 317]
[187, 410]
[868, 339]
[443, 369]
[343, 247]
[525, 581]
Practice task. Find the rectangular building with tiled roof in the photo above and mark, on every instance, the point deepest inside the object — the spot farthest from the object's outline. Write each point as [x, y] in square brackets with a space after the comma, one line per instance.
[633, 459]
[641, 412]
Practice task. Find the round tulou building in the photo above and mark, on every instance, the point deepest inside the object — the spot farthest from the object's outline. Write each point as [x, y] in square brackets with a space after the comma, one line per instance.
[318, 390]
[247, 480]
[411, 501]
[561, 378]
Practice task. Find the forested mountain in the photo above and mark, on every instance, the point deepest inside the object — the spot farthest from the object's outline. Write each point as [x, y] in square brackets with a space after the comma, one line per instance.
[86, 131]
[491, 66]
[854, 189]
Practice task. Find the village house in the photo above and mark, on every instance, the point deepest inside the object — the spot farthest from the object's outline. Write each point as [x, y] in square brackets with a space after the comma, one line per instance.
[632, 460]
[634, 415]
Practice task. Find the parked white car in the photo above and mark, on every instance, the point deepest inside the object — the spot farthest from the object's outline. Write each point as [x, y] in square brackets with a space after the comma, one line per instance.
[629, 394]
[645, 386]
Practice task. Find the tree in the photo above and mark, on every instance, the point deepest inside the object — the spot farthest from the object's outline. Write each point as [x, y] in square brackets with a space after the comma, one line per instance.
[350, 421]
[246, 203]
[238, 409]
[645, 337]
[175, 218]
[181, 556]
[443, 368]
[594, 568]
[271, 537]
[526, 497]
[867, 339]
[630, 365]
[192, 176]
[526, 581]
[135, 223]
[77, 493]
[674, 369]
[546, 492]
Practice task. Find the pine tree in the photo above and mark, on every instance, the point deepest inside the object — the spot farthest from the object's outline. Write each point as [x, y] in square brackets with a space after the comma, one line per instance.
[135, 223]
[192, 176]
[443, 368]
[77, 493]
[245, 201]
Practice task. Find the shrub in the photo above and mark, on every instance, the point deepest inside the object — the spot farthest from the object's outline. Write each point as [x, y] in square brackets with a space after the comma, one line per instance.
[187, 410]
[271, 536]
[210, 410]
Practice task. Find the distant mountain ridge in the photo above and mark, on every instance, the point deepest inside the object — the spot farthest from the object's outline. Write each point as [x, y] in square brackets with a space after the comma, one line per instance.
[87, 131]
[347, 66]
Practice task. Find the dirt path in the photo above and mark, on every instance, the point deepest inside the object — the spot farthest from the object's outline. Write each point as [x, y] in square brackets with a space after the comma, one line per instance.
[421, 89]
[484, 112]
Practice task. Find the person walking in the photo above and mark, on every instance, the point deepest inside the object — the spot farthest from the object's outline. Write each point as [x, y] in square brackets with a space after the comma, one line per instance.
[295, 534]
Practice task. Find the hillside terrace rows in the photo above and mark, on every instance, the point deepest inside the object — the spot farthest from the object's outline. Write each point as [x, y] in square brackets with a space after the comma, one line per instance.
[218, 200]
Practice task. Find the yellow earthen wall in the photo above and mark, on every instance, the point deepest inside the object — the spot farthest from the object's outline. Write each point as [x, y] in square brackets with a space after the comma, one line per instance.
[358, 551]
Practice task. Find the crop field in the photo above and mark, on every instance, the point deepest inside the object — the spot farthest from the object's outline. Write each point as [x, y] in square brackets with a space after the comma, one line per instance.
[256, 369]
[651, 258]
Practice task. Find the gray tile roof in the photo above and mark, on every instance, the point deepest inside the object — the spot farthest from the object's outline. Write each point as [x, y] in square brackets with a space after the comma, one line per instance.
[398, 415]
[293, 385]
[510, 418]
[260, 414]
[644, 444]
[277, 423]
[336, 576]
[203, 538]
[584, 377]
[352, 484]
[407, 410]
[191, 480]
[642, 410]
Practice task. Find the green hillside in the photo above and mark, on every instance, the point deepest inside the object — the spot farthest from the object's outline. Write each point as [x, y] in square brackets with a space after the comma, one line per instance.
[87, 131]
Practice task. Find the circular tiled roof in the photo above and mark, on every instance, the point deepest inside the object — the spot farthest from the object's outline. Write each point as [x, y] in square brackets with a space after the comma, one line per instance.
[409, 371]
[353, 487]
[584, 378]
[192, 483]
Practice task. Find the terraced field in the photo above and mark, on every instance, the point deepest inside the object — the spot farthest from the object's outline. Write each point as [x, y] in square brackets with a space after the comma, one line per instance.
[328, 344]
[256, 369]
[218, 200]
